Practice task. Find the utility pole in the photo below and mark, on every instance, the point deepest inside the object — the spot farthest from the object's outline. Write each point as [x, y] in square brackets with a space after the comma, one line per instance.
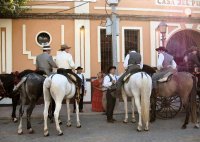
[113, 6]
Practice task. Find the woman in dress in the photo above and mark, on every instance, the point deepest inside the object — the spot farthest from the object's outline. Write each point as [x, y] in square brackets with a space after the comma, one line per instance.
[97, 93]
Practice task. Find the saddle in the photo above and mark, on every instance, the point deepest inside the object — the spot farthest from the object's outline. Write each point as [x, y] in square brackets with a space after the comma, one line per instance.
[127, 77]
[165, 78]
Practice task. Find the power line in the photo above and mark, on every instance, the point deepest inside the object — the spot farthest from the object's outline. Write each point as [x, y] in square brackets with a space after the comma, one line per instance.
[72, 7]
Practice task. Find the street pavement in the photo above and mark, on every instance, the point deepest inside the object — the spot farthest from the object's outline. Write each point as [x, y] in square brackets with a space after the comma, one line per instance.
[96, 129]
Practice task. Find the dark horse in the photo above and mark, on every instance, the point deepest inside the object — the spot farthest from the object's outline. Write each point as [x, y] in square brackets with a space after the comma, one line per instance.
[182, 84]
[31, 89]
[8, 82]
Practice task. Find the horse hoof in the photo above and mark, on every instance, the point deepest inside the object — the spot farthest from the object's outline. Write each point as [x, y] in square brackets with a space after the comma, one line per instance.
[15, 120]
[46, 135]
[20, 132]
[183, 127]
[133, 120]
[146, 130]
[139, 130]
[69, 125]
[30, 131]
[60, 134]
[79, 126]
[196, 126]
[125, 122]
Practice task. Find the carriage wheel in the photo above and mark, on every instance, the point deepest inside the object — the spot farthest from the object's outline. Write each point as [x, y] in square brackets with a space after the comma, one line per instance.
[168, 107]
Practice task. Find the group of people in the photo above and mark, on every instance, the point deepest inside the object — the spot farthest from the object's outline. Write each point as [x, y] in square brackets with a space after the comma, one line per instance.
[133, 63]
[65, 65]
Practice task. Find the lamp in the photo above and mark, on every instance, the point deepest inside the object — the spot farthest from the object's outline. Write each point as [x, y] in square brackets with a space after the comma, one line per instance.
[162, 27]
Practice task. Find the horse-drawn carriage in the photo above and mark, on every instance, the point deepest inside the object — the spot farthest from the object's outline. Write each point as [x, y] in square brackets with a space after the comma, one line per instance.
[169, 107]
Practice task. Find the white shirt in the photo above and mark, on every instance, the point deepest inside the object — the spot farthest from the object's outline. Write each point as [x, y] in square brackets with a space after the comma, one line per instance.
[81, 77]
[64, 60]
[160, 62]
[106, 81]
[126, 62]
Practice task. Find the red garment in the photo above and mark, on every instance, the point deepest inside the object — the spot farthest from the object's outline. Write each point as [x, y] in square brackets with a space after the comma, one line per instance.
[97, 95]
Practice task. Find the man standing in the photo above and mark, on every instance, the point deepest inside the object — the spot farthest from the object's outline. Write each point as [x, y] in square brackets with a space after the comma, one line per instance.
[82, 89]
[45, 61]
[132, 64]
[66, 65]
[165, 65]
[109, 81]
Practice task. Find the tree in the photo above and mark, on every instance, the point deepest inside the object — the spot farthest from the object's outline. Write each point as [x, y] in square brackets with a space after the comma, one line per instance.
[12, 7]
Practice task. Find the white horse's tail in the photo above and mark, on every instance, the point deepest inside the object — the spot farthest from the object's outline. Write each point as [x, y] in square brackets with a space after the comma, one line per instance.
[145, 96]
[47, 82]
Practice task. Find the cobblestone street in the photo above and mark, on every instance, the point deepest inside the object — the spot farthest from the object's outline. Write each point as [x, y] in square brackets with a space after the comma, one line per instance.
[96, 129]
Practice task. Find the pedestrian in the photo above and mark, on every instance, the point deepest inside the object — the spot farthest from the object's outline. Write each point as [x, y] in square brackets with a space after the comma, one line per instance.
[97, 93]
[108, 82]
[82, 89]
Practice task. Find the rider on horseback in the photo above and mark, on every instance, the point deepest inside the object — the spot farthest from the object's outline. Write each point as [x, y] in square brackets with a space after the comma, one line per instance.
[132, 64]
[66, 65]
[165, 65]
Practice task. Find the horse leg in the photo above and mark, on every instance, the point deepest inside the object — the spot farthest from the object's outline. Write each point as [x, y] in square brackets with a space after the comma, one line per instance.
[14, 106]
[125, 107]
[78, 125]
[21, 112]
[29, 112]
[138, 105]
[47, 100]
[56, 115]
[133, 110]
[184, 126]
[69, 124]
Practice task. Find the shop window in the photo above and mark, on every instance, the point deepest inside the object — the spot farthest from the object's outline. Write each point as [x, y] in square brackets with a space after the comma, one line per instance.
[106, 50]
[132, 40]
[43, 38]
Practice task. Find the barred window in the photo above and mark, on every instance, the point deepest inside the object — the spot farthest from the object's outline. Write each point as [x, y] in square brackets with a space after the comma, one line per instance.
[132, 40]
[106, 51]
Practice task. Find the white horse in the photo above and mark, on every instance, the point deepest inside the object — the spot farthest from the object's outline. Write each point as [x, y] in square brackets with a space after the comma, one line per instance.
[139, 89]
[58, 87]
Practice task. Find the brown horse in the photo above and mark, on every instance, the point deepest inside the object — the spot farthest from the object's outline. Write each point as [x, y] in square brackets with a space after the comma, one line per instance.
[182, 84]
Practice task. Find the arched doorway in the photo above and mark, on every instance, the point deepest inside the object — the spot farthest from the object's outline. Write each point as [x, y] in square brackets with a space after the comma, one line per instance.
[180, 42]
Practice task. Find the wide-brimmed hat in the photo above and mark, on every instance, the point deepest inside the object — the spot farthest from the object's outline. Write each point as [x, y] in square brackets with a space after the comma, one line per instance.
[161, 48]
[79, 68]
[46, 47]
[110, 68]
[64, 46]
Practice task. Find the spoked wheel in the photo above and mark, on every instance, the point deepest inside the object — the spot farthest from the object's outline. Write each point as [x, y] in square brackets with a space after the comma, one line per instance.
[168, 107]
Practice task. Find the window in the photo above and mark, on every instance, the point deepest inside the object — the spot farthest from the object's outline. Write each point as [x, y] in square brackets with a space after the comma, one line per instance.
[132, 40]
[106, 50]
[43, 38]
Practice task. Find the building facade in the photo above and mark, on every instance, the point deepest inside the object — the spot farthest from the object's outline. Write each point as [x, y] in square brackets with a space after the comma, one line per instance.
[81, 25]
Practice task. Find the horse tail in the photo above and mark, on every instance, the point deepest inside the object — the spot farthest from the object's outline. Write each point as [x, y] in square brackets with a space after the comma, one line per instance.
[193, 101]
[47, 82]
[145, 96]
[16, 87]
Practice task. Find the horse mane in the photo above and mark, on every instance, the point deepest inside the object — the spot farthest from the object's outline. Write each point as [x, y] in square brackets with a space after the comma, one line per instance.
[28, 71]
[148, 69]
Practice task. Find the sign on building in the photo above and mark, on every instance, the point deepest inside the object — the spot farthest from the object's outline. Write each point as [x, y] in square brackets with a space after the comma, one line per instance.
[192, 3]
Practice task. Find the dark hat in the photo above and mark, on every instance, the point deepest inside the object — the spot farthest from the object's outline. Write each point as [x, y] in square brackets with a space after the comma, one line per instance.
[46, 47]
[79, 68]
[110, 68]
[64, 46]
[161, 48]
